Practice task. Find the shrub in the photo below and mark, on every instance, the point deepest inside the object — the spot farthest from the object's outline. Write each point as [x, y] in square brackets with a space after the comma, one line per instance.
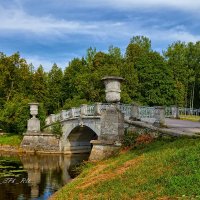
[129, 138]
[57, 129]
[143, 139]
[137, 137]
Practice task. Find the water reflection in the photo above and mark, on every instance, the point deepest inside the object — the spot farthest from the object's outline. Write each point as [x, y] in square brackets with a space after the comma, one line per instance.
[28, 176]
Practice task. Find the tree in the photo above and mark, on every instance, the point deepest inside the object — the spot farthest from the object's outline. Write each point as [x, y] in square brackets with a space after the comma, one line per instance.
[142, 41]
[176, 56]
[54, 87]
[39, 87]
[193, 62]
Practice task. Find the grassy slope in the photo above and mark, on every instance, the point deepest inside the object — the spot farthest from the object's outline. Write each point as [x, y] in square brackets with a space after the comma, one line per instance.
[164, 169]
[10, 139]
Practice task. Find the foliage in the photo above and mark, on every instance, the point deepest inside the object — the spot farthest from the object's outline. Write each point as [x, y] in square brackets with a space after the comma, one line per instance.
[75, 102]
[129, 138]
[143, 139]
[137, 137]
[172, 78]
[14, 115]
[57, 129]
[54, 93]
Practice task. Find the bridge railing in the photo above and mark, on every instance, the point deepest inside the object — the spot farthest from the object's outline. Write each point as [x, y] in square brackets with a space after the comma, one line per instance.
[90, 110]
[86, 110]
[144, 112]
[189, 111]
[180, 111]
[126, 109]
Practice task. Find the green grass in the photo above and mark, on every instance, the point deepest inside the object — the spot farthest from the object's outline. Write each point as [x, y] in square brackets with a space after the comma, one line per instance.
[10, 139]
[164, 169]
[190, 118]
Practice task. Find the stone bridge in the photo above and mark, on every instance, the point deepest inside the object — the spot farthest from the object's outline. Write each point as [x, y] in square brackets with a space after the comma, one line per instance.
[98, 128]
[83, 124]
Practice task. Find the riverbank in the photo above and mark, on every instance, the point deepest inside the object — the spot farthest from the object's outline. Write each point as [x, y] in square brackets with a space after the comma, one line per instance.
[162, 169]
[11, 139]
[11, 143]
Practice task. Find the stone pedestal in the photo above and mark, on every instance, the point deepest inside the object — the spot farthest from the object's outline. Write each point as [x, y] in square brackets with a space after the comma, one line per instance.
[175, 112]
[112, 130]
[135, 112]
[97, 109]
[40, 142]
[33, 125]
[34, 140]
[159, 116]
[112, 124]
[103, 149]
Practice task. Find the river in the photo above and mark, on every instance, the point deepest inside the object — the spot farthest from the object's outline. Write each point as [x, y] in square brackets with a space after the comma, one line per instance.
[35, 177]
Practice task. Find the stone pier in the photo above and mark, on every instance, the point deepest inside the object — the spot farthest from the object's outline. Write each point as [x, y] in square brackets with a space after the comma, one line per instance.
[34, 140]
[112, 123]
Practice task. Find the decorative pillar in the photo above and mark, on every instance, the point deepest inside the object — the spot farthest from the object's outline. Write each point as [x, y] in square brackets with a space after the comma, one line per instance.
[135, 112]
[159, 116]
[112, 122]
[175, 112]
[83, 109]
[72, 112]
[97, 108]
[63, 114]
[33, 123]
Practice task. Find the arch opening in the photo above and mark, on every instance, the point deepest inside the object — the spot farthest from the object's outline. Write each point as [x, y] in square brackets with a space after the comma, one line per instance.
[79, 139]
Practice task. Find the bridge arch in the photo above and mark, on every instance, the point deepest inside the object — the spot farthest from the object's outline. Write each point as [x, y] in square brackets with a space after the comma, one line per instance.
[81, 135]
[93, 124]
[77, 135]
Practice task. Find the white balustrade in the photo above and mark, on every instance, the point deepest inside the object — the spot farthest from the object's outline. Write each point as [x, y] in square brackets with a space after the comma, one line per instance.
[126, 109]
[96, 109]
[77, 112]
[146, 112]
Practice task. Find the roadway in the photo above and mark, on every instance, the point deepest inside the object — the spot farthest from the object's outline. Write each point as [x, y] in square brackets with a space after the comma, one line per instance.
[183, 125]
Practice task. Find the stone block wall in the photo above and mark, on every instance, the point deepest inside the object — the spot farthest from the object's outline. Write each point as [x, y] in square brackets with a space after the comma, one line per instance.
[41, 142]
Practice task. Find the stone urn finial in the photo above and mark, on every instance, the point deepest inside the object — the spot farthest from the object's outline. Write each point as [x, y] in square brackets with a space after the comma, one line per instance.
[112, 84]
[33, 109]
[33, 125]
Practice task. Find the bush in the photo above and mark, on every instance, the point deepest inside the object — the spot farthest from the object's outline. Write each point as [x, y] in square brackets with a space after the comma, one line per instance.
[137, 137]
[57, 129]
[143, 139]
[129, 138]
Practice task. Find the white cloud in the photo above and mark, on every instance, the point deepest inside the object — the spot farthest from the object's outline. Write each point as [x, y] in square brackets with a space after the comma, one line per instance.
[15, 19]
[47, 63]
[18, 20]
[133, 4]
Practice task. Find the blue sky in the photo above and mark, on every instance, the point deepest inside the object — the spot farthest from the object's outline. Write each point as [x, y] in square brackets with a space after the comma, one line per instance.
[48, 31]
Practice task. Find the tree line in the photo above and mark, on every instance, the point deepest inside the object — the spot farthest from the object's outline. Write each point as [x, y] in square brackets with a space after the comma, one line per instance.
[151, 78]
